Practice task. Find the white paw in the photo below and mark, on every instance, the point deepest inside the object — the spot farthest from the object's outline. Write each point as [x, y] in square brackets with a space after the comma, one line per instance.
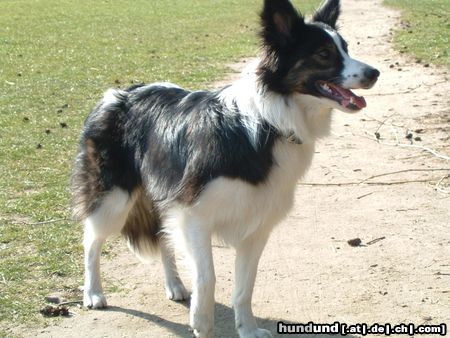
[201, 323]
[203, 334]
[175, 290]
[94, 300]
[258, 333]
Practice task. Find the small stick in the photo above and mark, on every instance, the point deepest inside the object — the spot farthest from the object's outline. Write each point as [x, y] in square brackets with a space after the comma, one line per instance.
[383, 122]
[364, 181]
[360, 197]
[434, 84]
[72, 302]
[312, 184]
[402, 171]
[446, 158]
[398, 144]
[431, 151]
[373, 241]
[368, 183]
[437, 188]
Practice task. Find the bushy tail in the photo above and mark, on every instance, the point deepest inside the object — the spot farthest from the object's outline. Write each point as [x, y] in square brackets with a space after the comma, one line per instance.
[142, 228]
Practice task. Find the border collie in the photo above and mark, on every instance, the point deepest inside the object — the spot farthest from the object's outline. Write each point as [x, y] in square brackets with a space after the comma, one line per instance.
[170, 168]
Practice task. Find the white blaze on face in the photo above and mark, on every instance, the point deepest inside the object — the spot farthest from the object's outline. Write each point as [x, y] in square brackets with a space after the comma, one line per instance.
[353, 72]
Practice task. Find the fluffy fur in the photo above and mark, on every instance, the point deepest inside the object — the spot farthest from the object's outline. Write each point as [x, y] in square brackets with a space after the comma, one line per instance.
[170, 168]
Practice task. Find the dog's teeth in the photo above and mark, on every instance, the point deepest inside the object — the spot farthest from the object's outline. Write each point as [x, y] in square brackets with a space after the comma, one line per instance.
[351, 100]
[326, 88]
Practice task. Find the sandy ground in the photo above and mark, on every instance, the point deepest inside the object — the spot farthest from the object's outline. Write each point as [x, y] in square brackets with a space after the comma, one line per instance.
[308, 272]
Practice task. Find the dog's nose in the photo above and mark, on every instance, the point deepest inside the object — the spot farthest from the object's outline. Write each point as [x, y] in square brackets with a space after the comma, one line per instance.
[371, 74]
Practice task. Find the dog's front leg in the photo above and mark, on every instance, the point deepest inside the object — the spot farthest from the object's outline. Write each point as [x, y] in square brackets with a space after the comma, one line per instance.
[247, 257]
[198, 245]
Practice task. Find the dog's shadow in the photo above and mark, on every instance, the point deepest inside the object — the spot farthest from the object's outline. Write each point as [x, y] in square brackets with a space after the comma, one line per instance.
[223, 323]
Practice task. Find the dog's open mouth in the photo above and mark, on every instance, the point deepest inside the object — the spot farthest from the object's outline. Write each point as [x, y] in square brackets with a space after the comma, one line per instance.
[345, 97]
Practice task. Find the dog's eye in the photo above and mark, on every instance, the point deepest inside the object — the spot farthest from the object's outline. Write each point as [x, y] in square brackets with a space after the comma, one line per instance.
[324, 54]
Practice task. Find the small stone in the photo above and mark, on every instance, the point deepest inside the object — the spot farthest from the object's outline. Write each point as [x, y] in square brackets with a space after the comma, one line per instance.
[354, 242]
[54, 299]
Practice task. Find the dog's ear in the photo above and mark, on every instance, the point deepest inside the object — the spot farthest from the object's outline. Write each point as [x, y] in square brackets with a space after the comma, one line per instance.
[328, 13]
[280, 21]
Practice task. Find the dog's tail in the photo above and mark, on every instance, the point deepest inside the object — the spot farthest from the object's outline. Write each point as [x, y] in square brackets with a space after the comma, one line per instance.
[143, 226]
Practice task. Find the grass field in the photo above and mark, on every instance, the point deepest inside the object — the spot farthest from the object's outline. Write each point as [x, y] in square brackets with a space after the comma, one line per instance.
[57, 57]
[426, 29]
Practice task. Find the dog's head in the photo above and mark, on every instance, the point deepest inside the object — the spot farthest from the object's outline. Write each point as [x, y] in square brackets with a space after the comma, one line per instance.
[311, 57]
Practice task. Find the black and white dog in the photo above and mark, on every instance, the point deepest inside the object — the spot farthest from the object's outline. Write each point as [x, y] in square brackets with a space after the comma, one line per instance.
[170, 168]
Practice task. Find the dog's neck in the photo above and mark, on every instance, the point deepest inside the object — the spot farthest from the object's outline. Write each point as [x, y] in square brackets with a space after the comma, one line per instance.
[297, 117]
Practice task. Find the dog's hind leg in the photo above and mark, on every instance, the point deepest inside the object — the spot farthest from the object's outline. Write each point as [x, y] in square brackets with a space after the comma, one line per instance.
[248, 254]
[196, 237]
[108, 218]
[175, 289]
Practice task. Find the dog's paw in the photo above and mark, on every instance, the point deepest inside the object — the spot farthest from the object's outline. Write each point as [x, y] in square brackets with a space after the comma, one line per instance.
[94, 300]
[202, 324]
[198, 334]
[258, 333]
[175, 290]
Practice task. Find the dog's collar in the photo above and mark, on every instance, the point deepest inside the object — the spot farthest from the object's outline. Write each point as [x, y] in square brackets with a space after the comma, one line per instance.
[290, 136]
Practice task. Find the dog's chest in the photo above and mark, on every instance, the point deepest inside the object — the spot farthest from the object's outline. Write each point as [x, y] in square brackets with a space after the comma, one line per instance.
[234, 209]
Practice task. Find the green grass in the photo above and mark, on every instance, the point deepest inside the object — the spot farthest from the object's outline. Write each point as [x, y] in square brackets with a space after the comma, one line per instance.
[426, 29]
[57, 57]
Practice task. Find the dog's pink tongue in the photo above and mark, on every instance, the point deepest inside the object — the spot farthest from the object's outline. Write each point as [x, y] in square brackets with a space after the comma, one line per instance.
[350, 98]
[358, 101]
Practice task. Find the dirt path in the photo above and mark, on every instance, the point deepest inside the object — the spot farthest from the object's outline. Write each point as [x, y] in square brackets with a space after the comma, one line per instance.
[308, 272]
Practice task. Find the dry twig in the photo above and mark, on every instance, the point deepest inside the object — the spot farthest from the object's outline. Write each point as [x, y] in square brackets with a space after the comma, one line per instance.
[437, 186]
[398, 144]
[365, 181]
[71, 302]
[403, 171]
[431, 151]
[373, 241]
[343, 184]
